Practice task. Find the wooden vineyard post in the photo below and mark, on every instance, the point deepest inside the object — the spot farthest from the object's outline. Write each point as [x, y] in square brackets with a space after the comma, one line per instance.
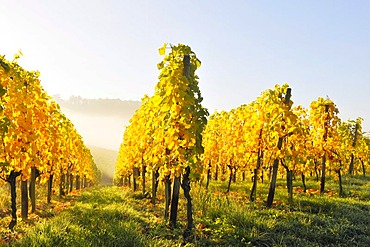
[323, 160]
[174, 202]
[167, 192]
[275, 165]
[50, 188]
[33, 189]
[351, 165]
[143, 171]
[12, 178]
[155, 175]
[24, 200]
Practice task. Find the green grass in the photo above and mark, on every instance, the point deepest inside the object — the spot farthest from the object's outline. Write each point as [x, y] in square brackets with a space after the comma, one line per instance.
[103, 216]
[112, 216]
[314, 219]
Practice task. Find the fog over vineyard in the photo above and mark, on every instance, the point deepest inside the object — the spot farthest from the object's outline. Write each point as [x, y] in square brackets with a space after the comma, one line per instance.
[101, 123]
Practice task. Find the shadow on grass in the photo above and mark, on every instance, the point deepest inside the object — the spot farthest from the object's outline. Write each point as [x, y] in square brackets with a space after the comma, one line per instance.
[101, 218]
[314, 220]
[110, 216]
[272, 227]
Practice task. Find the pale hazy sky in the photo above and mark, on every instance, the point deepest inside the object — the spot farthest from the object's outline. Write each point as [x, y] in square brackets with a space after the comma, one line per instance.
[100, 49]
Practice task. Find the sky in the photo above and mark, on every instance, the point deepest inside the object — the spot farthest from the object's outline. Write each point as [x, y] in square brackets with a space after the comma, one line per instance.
[109, 49]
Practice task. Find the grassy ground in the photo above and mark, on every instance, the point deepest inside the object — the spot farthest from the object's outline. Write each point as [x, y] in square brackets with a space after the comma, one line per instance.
[112, 216]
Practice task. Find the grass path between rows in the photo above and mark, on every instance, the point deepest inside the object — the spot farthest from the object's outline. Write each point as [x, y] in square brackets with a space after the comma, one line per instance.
[116, 216]
[101, 216]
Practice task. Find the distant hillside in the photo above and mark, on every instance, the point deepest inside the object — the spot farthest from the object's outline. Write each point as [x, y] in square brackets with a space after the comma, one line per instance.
[105, 160]
[106, 107]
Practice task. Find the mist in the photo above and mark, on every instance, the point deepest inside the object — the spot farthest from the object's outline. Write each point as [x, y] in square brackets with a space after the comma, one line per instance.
[101, 124]
[98, 130]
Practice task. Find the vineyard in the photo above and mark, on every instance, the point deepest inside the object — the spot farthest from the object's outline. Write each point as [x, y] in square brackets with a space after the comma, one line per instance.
[267, 173]
[39, 144]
